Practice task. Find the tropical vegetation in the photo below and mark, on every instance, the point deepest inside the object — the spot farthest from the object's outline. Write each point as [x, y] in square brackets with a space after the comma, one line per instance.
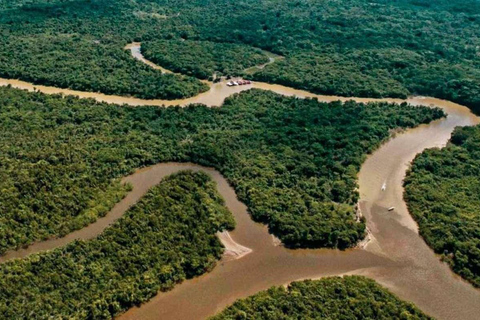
[294, 162]
[353, 48]
[348, 297]
[442, 191]
[75, 62]
[167, 237]
[203, 59]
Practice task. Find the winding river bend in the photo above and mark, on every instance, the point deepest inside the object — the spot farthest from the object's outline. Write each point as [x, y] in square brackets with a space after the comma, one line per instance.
[395, 256]
[213, 98]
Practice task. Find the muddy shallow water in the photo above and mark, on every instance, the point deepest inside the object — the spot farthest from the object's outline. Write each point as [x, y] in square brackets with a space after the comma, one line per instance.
[395, 256]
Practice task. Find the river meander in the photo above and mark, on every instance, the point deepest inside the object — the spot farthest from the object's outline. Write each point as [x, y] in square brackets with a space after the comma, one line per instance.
[396, 256]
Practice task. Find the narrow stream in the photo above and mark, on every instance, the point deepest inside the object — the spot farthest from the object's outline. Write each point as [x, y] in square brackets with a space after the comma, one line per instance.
[395, 256]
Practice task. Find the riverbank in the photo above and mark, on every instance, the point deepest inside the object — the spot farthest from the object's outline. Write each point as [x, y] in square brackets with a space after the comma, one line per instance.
[135, 50]
[401, 260]
[233, 250]
[214, 97]
[397, 257]
[141, 181]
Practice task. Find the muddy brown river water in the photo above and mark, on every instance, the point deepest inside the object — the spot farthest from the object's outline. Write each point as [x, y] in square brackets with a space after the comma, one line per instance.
[395, 256]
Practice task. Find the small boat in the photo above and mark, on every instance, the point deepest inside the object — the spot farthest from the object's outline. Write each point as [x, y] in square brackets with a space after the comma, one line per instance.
[238, 83]
[391, 208]
[384, 186]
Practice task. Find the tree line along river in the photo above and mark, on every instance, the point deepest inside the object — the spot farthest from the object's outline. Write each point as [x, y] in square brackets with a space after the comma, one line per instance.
[395, 255]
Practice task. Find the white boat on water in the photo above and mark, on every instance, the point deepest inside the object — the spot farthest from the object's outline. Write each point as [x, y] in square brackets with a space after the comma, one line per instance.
[391, 208]
[238, 83]
[384, 186]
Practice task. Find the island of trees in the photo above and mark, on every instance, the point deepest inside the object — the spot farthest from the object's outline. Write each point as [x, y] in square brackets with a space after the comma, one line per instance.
[442, 190]
[167, 237]
[293, 162]
[349, 297]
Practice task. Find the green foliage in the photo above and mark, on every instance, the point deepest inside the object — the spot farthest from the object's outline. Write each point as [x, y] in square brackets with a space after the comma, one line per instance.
[362, 48]
[167, 237]
[66, 61]
[349, 297]
[202, 59]
[292, 161]
[442, 191]
[354, 48]
[378, 73]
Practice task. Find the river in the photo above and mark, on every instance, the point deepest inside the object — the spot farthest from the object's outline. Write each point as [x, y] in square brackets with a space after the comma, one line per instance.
[213, 98]
[396, 256]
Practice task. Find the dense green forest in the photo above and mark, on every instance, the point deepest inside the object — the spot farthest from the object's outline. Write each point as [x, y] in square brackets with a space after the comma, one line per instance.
[202, 59]
[353, 47]
[442, 190]
[292, 161]
[167, 237]
[349, 297]
[66, 61]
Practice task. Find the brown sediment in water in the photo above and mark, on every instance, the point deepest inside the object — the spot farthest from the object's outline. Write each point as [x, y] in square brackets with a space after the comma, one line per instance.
[213, 98]
[142, 180]
[135, 50]
[233, 250]
[396, 256]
